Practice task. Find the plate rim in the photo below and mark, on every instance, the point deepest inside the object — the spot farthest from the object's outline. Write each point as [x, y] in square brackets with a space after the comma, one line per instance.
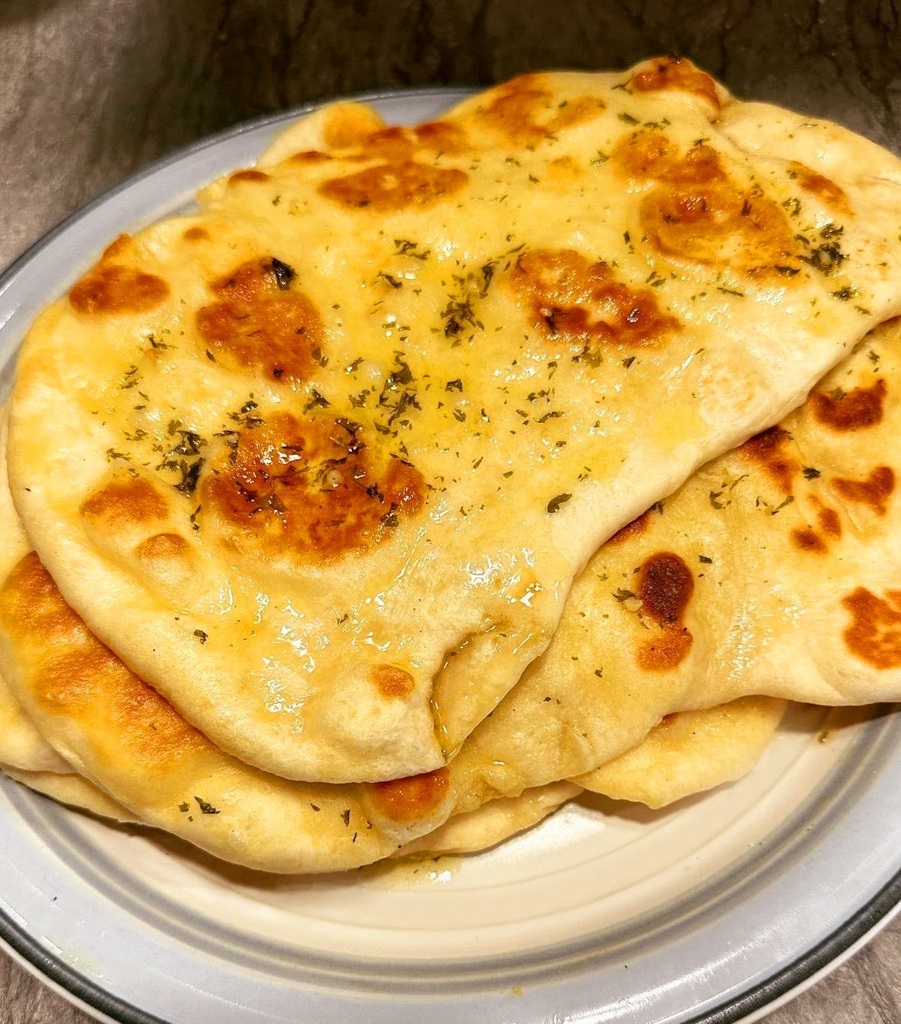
[781, 987]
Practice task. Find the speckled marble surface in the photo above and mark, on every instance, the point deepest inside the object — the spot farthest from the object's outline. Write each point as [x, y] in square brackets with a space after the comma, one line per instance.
[96, 89]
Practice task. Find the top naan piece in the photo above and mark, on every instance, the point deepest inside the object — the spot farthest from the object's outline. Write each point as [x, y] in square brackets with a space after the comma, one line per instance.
[321, 461]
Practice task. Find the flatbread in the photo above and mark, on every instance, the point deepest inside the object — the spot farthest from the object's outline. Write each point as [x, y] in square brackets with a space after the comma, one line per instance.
[120, 734]
[773, 571]
[493, 823]
[689, 753]
[477, 830]
[321, 461]
[21, 745]
[141, 762]
[123, 734]
[71, 789]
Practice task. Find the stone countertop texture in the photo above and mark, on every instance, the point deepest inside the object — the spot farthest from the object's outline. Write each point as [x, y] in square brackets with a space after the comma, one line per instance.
[93, 90]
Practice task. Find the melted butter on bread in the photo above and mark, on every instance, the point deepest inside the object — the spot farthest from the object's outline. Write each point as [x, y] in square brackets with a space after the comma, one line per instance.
[402, 381]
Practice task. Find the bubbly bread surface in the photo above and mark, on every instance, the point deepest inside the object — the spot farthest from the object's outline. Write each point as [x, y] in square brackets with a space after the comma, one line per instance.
[320, 462]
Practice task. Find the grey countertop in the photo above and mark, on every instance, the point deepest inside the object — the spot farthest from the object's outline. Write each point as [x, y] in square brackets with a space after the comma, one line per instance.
[96, 89]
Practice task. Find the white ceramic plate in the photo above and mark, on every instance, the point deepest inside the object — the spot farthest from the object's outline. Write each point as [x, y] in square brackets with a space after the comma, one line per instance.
[709, 913]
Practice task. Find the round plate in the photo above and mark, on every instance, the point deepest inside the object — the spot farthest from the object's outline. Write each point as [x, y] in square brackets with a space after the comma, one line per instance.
[712, 911]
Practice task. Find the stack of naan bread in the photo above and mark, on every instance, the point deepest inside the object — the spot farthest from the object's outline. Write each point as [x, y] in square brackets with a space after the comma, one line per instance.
[427, 476]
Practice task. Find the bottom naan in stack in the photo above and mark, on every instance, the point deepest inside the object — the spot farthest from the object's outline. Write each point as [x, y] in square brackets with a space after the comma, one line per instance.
[118, 731]
[683, 755]
[768, 575]
[690, 752]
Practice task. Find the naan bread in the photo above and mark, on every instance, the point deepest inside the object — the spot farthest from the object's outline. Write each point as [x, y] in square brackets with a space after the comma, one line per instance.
[120, 734]
[21, 745]
[127, 741]
[71, 789]
[494, 822]
[465, 833]
[689, 753]
[140, 761]
[321, 461]
[774, 571]
[477, 830]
